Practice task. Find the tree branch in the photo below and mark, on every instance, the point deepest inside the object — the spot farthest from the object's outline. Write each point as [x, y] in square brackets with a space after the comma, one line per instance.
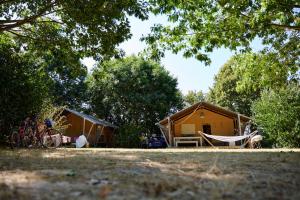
[10, 20]
[7, 1]
[50, 21]
[26, 20]
[20, 35]
[296, 28]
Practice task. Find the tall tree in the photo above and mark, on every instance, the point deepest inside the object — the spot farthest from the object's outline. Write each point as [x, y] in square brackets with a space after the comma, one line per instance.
[258, 71]
[242, 78]
[66, 73]
[93, 28]
[23, 85]
[193, 97]
[198, 27]
[133, 91]
[224, 91]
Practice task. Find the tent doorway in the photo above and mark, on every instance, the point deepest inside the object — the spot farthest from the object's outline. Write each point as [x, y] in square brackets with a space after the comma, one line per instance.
[207, 129]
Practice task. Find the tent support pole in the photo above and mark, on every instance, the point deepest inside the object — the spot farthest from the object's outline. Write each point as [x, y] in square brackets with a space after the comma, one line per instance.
[162, 132]
[83, 129]
[90, 131]
[169, 130]
[239, 121]
[206, 139]
[98, 136]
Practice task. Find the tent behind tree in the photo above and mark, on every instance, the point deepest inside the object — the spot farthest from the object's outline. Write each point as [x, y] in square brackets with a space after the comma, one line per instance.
[97, 131]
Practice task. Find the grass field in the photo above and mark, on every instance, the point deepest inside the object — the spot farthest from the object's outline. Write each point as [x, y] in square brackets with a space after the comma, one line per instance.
[149, 174]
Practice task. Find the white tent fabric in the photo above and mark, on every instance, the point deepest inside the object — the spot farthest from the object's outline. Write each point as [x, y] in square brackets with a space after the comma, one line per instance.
[81, 141]
[229, 139]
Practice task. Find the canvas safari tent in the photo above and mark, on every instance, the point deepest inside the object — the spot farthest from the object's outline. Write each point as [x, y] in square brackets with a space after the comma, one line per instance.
[204, 117]
[97, 131]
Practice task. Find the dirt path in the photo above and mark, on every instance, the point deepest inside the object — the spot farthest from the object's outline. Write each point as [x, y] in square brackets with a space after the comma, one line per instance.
[150, 174]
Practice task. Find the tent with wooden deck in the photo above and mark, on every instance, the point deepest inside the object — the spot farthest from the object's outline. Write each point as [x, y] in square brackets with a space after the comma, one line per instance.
[184, 126]
[97, 131]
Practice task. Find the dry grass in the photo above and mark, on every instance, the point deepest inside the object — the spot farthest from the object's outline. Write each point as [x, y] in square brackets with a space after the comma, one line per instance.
[149, 174]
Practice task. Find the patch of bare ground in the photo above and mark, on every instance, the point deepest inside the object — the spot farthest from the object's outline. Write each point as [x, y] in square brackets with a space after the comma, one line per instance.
[150, 174]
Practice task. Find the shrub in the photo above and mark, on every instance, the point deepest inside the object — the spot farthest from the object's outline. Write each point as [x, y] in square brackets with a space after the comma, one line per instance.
[278, 114]
[128, 136]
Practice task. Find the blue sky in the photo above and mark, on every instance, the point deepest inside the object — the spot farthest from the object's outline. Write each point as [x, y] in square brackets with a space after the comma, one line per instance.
[190, 73]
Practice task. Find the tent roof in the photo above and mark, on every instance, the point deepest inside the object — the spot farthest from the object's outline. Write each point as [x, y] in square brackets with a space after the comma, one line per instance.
[90, 118]
[204, 105]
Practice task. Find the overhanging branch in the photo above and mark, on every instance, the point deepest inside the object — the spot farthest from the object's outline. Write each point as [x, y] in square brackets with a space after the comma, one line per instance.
[296, 28]
[17, 23]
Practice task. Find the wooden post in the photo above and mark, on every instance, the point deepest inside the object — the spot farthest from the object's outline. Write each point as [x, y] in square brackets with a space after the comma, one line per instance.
[206, 139]
[90, 131]
[99, 136]
[83, 126]
[170, 133]
[162, 132]
[239, 122]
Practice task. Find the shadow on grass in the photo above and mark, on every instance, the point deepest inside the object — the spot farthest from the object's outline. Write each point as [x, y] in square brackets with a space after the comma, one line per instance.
[69, 174]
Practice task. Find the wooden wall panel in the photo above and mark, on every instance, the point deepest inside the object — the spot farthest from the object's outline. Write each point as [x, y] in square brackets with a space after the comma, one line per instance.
[220, 125]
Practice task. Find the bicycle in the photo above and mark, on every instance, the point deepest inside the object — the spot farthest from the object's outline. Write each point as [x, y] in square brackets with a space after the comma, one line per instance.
[17, 138]
[32, 134]
[51, 138]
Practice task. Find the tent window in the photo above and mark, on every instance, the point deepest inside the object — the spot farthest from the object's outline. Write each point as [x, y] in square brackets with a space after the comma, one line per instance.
[188, 129]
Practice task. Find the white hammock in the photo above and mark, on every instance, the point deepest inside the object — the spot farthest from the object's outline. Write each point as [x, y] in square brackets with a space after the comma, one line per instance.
[228, 138]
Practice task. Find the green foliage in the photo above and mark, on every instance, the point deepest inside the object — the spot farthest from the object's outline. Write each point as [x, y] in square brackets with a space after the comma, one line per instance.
[129, 136]
[66, 74]
[278, 114]
[23, 86]
[224, 91]
[258, 71]
[199, 27]
[61, 63]
[69, 90]
[193, 97]
[133, 91]
[242, 78]
[91, 28]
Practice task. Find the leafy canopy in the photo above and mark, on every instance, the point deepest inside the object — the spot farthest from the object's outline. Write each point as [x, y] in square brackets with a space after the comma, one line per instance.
[23, 85]
[242, 78]
[30, 78]
[193, 97]
[200, 26]
[92, 28]
[66, 74]
[133, 91]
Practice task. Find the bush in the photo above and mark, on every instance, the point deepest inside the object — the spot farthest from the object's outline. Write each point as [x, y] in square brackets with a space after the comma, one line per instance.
[128, 136]
[278, 114]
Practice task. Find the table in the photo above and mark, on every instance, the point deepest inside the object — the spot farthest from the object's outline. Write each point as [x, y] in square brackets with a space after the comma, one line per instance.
[191, 140]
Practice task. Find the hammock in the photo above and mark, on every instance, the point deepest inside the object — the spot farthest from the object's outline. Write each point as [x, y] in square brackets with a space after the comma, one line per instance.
[228, 139]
